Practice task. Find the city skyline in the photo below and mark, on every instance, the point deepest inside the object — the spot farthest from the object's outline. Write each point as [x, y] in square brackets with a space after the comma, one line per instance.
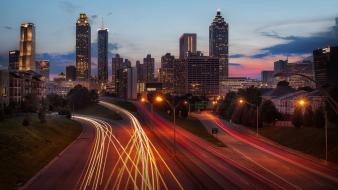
[253, 47]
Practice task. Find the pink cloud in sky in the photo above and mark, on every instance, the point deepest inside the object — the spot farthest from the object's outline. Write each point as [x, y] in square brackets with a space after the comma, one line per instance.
[252, 67]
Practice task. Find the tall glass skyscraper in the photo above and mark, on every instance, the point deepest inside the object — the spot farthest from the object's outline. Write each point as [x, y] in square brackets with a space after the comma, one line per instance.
[27, 47]
[219, 43]
[102, 57]
[188, 44]
[83, 45]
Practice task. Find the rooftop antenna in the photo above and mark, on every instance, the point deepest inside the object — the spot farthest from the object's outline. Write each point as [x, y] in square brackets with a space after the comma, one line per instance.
[102, 22]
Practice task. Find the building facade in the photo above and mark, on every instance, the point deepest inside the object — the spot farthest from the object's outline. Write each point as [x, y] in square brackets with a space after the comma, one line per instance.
[4, 89]
[70, 73]
[167, 74]
[325, 66]
[102, 57]
[83, 48]
[43, 69]
[202, 75]
[13, 60]
[148, 68]
[188, 43]
[233, 84]
[23, 83]
[219, 43]
[27, 47]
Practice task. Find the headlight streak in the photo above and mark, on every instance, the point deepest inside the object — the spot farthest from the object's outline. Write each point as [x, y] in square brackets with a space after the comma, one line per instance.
[137, 163]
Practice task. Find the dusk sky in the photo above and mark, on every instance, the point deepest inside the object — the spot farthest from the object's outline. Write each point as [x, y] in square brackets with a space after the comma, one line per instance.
[261, 31]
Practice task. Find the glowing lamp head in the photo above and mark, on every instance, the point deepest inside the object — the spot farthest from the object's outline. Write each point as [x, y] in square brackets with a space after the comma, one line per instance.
[159, 99]
[241, 101]
[301, 102]
[185, 102]
[214, 102]
[143, 100]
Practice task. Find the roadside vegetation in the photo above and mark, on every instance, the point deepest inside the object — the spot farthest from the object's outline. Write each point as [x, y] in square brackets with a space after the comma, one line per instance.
[24, 150]
[309, 140]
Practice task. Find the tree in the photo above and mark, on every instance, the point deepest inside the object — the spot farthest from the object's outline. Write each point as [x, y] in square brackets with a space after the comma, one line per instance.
[319, 118]
[227, 105]
[42, 115]
[79, 97]
[55, 102]
[30, 103]
[297, 117]
[308, 116]
[26, 121]
[269, 112]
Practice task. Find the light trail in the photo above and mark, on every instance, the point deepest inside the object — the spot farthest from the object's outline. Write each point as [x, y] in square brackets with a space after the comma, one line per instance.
[137, 165]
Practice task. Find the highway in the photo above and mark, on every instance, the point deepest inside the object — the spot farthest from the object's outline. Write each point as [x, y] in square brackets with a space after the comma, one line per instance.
[138, 153]
[258, 162]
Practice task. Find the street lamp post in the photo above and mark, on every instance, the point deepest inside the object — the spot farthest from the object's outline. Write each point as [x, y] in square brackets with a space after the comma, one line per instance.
[187, 103]
[160, 99]
[242, 101]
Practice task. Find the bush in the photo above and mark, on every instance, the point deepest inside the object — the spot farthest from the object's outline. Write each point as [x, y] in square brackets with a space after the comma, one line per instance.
[297, 118]
[26, 121]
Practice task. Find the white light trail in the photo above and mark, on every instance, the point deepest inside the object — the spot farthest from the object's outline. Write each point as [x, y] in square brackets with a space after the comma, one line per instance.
[138, 161]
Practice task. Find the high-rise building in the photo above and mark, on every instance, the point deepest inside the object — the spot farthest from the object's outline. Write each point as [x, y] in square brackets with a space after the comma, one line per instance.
[325, 65]
[188, 43]
[44, 69]
[203, 75]
[27, 47]
[13, 60]
[71, 73]
[117, 63]
[139, 69]
[280, 66]
[83, 45]
[149, 68]
[267, 76]
[166, 76]
[4, 89]
[102, 57]
[219, 43]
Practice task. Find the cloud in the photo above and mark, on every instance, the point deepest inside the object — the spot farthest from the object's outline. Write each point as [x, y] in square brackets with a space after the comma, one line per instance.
[8, 27]
[59, 61]
[301, 44]
[68, 7]
[235, 65]
[237, 56]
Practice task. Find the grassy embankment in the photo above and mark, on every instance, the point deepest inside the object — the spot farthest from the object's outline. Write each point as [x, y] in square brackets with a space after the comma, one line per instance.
[194, 126]
[24, 150]
[307, 139]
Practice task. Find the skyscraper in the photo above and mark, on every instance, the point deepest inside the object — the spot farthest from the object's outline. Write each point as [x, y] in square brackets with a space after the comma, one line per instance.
[219, 43]
[167, 72]
[102, 57]
[149, 68]
[83, 45]
[139, 69]
[71, 73]
[44, 69]
[13, 60]
[27, 47]
[280, 66]
[188, 43]
[117, 63]
[325, 65]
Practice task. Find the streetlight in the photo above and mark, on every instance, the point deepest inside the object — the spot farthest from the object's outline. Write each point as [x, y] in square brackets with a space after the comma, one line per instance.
[242, 101]
[160, 99]
[187, 103]
[144, 100]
